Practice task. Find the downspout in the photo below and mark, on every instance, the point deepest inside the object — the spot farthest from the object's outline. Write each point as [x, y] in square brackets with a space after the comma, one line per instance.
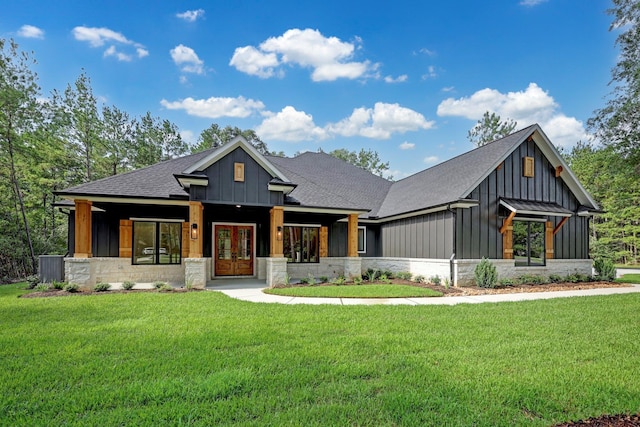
[453, 254]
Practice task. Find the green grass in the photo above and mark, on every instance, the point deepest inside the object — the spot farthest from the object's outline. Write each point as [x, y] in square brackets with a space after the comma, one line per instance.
[360, 291]
[629, 278]
[201, 358]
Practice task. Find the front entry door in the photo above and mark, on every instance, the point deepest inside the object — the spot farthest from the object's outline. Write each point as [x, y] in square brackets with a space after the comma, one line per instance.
[233, 250]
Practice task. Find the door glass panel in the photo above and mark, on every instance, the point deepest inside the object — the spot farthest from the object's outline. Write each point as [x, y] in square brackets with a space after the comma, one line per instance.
[224, 243]
[244, 244]
[528, 243]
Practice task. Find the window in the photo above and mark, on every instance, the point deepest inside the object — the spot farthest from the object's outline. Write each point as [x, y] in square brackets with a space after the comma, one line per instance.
[301, 243]
[362, 239]
[528, 243]
[157, 242]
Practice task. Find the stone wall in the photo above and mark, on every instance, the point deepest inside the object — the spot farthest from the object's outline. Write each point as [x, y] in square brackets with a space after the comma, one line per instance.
[506, 268]
[426, 267]
[197, 272]
[87, 272]
[330, 267]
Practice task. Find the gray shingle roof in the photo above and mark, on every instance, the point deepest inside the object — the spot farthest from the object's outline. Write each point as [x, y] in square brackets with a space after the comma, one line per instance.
[155, 181]
[448, 181]
[324, 181]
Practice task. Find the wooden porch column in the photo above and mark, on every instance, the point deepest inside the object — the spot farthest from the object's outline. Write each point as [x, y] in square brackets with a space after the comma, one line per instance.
[82, 229]
[548, 240]
[352, 236]
[196, 217]
[276, 244]
[125, 242]
[507, 236]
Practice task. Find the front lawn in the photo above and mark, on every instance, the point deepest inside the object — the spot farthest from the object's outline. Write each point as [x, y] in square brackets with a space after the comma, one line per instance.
[352, 291]
[201, 358]
[629, 278]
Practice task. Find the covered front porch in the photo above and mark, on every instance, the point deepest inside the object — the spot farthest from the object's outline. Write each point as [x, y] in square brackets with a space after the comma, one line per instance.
[210, 241]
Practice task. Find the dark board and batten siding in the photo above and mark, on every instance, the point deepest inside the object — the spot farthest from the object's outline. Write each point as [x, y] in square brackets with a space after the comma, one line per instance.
[424, 236]
[478, 228]
[223, 188]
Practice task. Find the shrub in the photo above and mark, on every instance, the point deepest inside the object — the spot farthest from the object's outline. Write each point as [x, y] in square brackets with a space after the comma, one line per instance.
[311, 280]
[324, 279]
[530, 279]
[42, 287]
[419, 278]
[357, 280]
[165, 288]
[485, 274]
[128, 285]
[304, 281]
[339, 281]
[32, 281]
[572, 278]
[71, 287]
[555, 278]
[435, 280]
[158, 284]
[57, 285]
[387, 273]
[605, 269]
[403, 275]
[102, 287]
[371, 274]
[447, 283]
[384, 279]
[506, 282]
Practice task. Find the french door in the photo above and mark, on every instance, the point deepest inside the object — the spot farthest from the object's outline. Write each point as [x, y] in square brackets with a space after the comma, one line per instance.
[233, 250]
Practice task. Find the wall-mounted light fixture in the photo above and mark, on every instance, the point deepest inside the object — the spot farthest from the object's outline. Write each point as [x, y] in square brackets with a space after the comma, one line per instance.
[194, 231]
[279, 233]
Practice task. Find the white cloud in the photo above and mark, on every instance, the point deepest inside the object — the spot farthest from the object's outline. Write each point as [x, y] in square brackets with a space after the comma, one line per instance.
[431, 160]
[380, 122]
[191, 15]
[251, 61]
[425, 51]
[214, 108]
[533, 105]
[188, 136]
[407, 145]
[31, 32]
[531, 3]
[187, 59]
[112, 51]
[430, 74]
[290, 125]
[141, 52]
[449, 89]
[399, 79]
[329, 57]
[98, 37]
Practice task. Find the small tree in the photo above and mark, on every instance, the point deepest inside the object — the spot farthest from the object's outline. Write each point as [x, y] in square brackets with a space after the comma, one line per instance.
[489, 128]
[486, 274]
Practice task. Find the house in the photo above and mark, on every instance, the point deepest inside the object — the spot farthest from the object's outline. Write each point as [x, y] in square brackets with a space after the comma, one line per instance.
[232, 212]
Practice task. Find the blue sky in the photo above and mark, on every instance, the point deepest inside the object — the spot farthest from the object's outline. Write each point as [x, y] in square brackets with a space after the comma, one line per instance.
[405, 78]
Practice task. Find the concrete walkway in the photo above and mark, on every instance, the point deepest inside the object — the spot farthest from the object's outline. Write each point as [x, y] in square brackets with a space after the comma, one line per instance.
[251, 290]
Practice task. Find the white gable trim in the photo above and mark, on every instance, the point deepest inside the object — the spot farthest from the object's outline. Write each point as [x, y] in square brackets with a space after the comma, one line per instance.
[553, 156]
[237, 142]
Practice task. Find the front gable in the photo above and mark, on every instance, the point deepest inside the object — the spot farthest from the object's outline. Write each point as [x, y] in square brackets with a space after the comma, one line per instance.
[235, 173]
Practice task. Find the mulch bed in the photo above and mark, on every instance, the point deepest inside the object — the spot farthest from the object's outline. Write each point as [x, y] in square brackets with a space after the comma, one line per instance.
[61, 293]
[622, 420]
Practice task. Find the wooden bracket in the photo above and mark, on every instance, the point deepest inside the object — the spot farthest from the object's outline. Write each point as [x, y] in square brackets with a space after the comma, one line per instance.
[560, 224]
[507, 222]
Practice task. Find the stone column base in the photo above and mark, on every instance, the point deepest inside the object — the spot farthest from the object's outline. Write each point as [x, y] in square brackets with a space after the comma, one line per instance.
[352, 267]
[276, 271]
[79, 271]
[195, 272]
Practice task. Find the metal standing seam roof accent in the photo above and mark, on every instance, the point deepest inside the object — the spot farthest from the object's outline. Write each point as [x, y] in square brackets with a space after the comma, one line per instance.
[535, 208]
